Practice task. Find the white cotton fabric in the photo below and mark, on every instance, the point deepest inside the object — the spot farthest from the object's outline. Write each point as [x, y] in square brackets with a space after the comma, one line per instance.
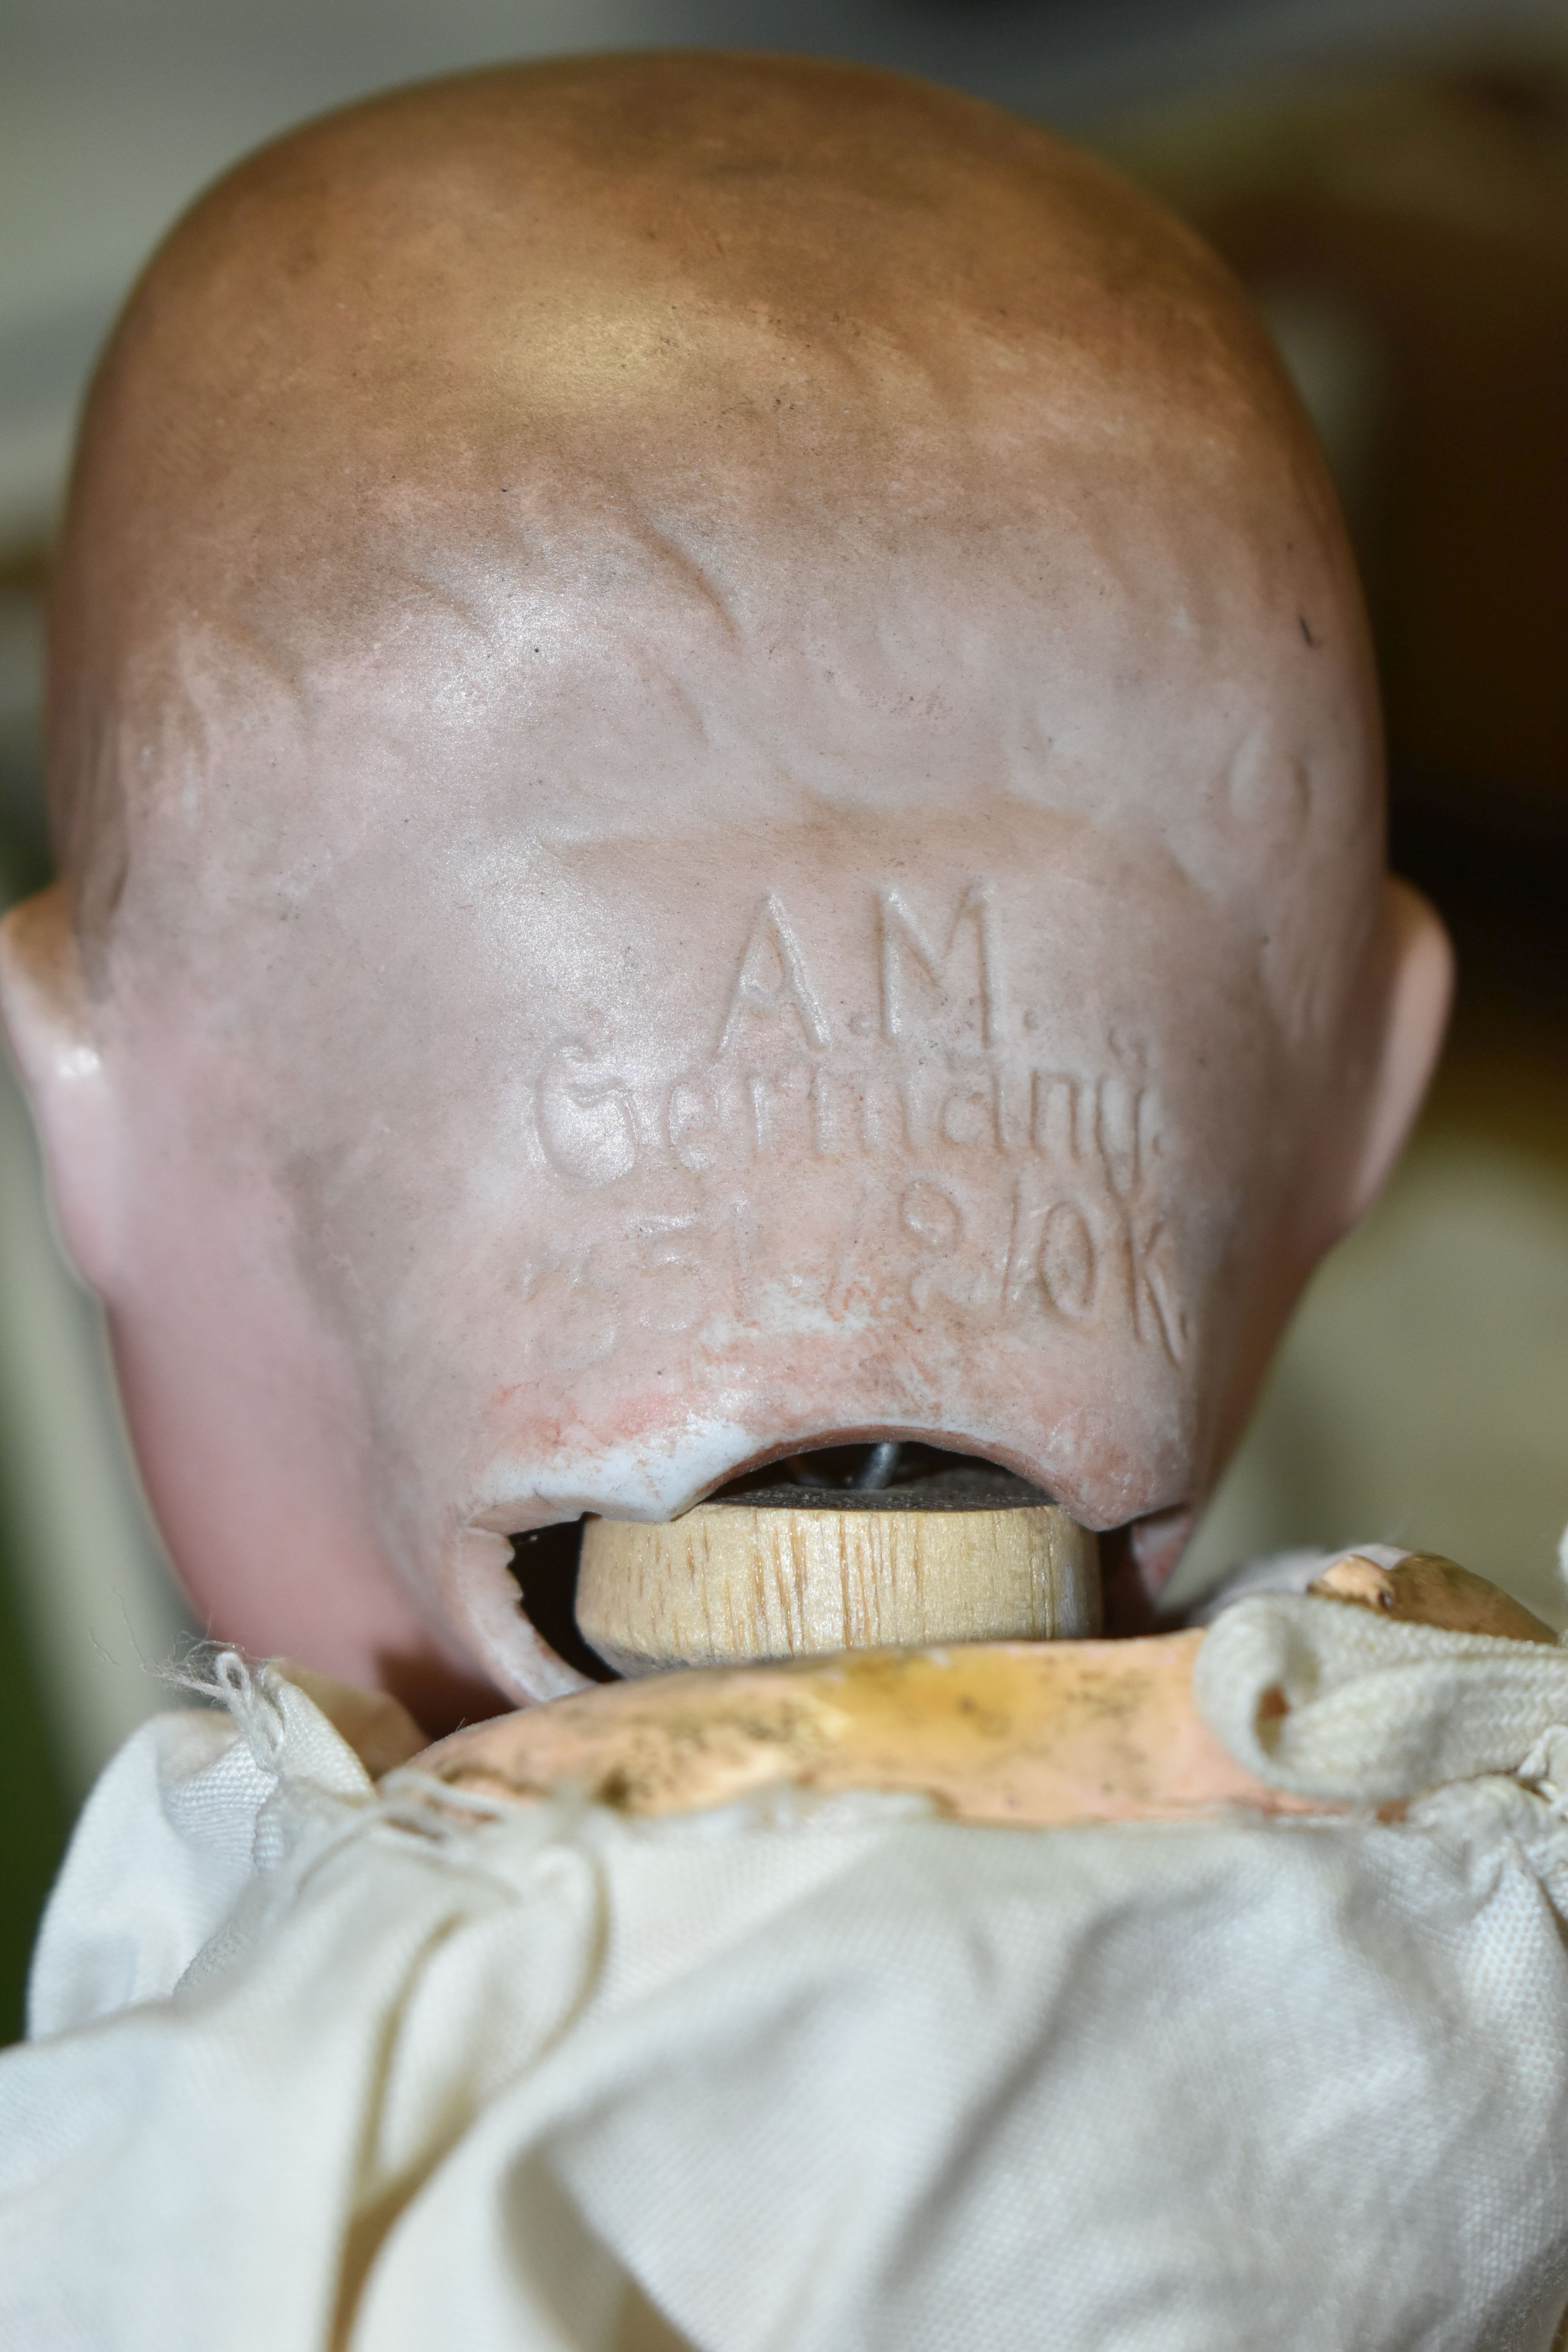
[320, 2066]
[1327, 1700]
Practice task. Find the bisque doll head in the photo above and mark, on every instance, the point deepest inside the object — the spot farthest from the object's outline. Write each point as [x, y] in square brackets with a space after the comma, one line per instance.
[719, 787]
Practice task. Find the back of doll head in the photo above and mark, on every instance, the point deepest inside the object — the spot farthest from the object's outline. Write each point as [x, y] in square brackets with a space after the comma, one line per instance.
[713, 746]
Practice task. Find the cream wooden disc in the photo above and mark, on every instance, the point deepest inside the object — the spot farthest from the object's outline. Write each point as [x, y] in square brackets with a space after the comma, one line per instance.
[735, 1580]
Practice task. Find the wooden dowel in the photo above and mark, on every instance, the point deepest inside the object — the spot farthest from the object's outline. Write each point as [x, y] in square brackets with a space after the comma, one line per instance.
[741, 1580]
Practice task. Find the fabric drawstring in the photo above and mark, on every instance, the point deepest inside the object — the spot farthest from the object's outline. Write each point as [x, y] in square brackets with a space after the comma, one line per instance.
[249, 1693]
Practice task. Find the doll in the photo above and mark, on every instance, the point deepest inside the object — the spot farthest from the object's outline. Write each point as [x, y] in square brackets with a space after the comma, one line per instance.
[719, 793]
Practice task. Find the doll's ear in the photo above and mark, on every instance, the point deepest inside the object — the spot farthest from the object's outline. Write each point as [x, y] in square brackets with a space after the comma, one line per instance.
[49, 1022]
[1419, 989]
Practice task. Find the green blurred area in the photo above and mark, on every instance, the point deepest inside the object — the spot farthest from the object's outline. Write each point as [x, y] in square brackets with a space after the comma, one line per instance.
[36, 1816]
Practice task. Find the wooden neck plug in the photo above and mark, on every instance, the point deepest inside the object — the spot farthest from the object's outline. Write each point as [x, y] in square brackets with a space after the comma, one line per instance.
[793, 1571]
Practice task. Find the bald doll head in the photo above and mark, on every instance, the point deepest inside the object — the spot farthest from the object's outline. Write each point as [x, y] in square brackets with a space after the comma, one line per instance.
[719, 786]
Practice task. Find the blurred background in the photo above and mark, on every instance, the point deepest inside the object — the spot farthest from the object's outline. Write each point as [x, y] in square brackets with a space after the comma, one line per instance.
[1390, 180]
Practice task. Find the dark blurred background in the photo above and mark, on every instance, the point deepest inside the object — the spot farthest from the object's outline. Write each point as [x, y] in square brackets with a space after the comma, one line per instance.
[1390, 180]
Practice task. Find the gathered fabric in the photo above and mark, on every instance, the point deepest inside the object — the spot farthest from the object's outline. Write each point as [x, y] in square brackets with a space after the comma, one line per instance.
[1329, 1701]
[322, 2065]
